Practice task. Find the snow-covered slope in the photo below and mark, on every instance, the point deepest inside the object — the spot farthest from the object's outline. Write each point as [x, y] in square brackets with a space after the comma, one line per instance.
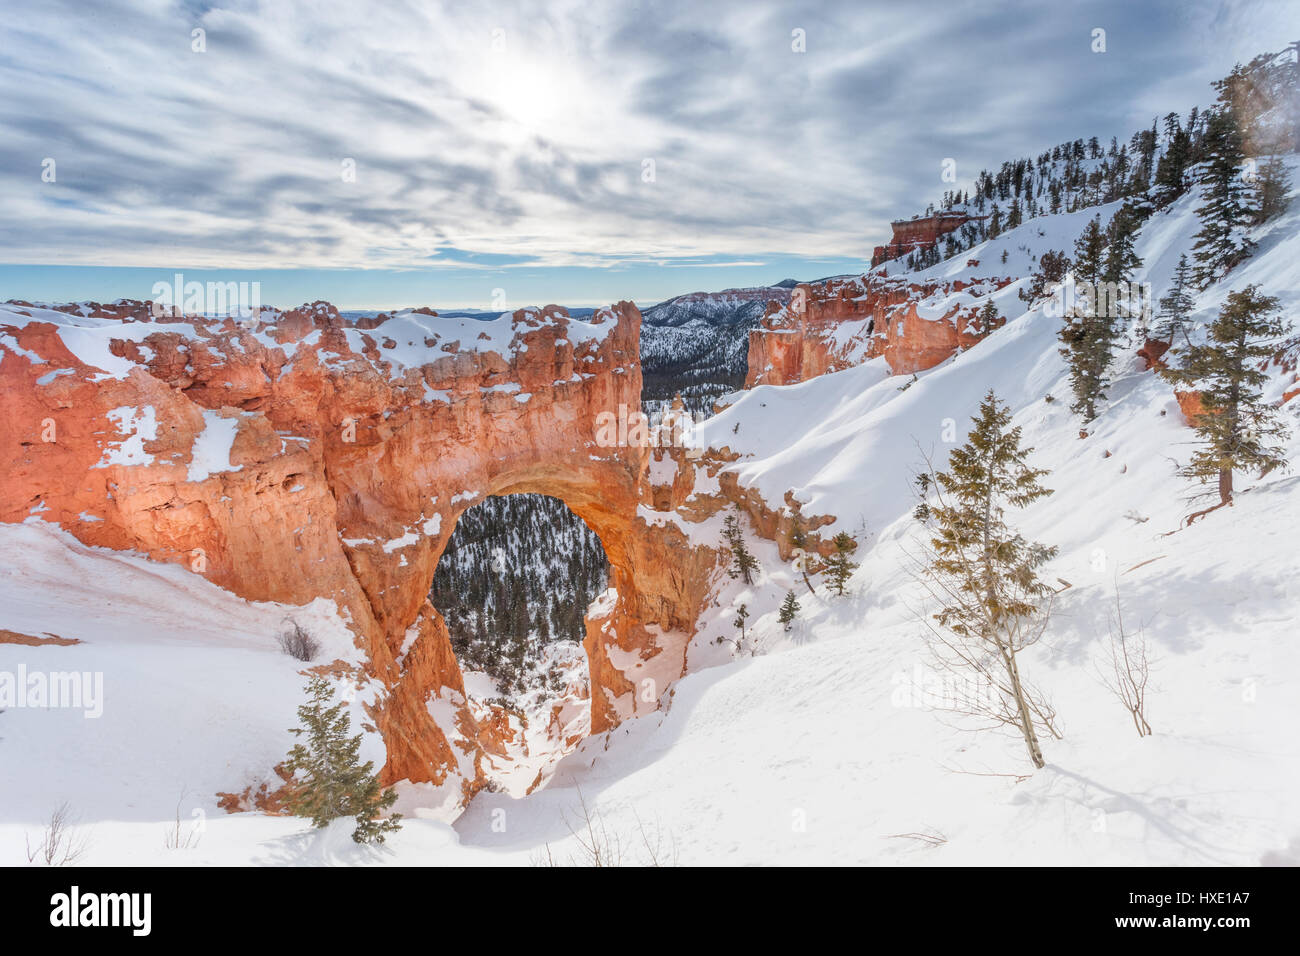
[823, 747]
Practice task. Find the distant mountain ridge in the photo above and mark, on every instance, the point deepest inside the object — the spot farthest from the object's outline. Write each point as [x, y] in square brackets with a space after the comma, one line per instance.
[698, 343]
[728, 307]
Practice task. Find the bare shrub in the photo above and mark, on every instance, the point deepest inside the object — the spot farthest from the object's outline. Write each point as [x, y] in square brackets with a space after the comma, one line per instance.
[599, 846]
[659, 850]
[60, 845]
[979, 685]
[1127, 669]
[596, 845]
[298, 642]
[176, 837]
[927, 839]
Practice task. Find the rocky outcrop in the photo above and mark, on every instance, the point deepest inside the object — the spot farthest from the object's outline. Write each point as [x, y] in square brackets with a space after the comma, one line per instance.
[1152, 354]
[842, 322]
[918, 235]
[17, 637]
[1191, 405]
[302, 456]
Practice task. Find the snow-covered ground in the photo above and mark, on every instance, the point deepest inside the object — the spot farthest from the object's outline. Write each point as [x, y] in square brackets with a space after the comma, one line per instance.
[821, 747]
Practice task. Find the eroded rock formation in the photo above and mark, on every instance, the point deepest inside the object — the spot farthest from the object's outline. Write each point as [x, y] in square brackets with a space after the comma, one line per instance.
[842, 322]
[311, 457]
[918, 235]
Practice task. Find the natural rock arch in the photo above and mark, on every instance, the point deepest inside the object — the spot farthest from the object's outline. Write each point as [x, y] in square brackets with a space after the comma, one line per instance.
[343, 457]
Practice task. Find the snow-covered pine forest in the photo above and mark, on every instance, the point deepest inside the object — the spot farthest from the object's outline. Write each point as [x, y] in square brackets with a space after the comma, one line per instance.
[518, 574]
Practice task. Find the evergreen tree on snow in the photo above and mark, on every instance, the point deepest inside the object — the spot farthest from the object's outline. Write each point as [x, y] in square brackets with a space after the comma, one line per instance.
[984, 574]
[839, 567]
[1174, 315]
[742, 615]
[331, 781]
[1121, 259]
[1227, 203]
[1090, 253]
[1237, 427]
[738, 622]
[989, 318]
[789, 608]
[743, 563]
[1089, 331]
[1272, 190]
[1052, 267]
[1014, 215]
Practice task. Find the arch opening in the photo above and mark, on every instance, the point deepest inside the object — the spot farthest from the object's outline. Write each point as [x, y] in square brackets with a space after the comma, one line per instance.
[513, 585]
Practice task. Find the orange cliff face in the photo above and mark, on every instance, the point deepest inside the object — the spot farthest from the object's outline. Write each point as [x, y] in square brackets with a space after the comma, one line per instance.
[918, 235]
[843, 322]
[308, 457]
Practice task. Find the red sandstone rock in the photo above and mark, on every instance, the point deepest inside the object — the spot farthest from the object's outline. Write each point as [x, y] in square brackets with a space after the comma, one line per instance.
[1151, 353]
[16, 637]
[351, 453]
[920, 234]
[1191, 405]
[843, 322]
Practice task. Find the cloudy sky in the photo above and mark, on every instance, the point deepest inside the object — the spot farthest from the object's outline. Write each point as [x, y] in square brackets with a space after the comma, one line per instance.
[384, 154]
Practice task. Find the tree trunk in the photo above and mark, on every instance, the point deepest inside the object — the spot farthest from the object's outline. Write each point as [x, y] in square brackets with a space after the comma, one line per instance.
[1022, 707]
[1225, 486]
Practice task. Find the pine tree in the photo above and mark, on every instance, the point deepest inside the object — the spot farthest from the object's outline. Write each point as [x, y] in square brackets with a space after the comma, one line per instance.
[1089, 332]
[1237, 425]
[1090, 253]
[839, 567]
[1121, 259]
[1014, 216]
[984, 573]
[1052, 267]
[1272, 190]
[743, 563]
[995, 222]
[1176, 307]
[989, 318]
[332, 782]
[1227, 207]
[742, 615]
[789, 608]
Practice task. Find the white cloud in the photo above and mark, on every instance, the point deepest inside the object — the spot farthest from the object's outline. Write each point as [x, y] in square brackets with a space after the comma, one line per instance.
[516, 131]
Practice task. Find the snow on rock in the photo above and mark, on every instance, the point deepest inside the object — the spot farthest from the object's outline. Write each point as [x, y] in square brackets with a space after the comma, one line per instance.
[212, 446]
[138, 425]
